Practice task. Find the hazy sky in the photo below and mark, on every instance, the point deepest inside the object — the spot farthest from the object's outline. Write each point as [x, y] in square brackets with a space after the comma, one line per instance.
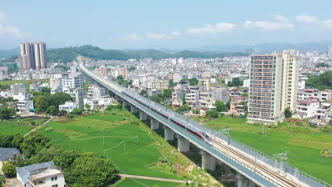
[175, 24]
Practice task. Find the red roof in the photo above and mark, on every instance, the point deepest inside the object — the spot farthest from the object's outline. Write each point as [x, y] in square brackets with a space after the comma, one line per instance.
[305, 101]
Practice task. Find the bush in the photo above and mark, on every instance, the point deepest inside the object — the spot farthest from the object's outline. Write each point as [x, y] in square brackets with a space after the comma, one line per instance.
[49, 129]
[70, 116]
[9, 169]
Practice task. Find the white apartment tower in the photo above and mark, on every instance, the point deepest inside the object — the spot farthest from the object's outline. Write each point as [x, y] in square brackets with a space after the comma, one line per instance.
[273, 87]
[329, 52]
[290, 80]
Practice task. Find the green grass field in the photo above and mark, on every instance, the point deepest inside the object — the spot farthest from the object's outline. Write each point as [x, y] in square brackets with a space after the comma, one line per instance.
[10, 127]
[304, 143]
[28, 82]
[126, 144]
[145, 183]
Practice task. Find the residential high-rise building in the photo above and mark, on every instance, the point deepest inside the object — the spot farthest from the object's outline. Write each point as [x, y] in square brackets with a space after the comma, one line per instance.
[329, 52]
[273, 87]
[33, 56]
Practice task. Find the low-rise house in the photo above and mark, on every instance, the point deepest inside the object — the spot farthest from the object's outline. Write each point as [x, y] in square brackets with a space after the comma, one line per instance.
[5, 93]
[69, 106]
[25, 106]
[238, 104]
[42, 175]
[8, 154]
[307, 108]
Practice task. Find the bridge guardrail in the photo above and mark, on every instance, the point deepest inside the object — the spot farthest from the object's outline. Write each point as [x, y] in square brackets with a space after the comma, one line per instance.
[302, 176]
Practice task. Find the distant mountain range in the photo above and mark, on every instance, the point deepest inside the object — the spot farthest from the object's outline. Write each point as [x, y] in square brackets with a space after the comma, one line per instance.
[263, 48]
[210, 51]
[69, 54]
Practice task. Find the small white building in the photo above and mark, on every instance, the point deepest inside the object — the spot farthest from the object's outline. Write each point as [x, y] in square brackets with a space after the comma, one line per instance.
[25, 106]
[307, 108]
[5, 93]
[69, 106]
[246, 83]
[42, 175]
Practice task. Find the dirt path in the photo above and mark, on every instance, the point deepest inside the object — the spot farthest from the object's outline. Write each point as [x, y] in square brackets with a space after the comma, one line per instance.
[38, 126]
[151, 178]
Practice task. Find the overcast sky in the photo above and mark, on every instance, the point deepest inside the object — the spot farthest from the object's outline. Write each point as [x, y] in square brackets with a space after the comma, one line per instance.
[174, 24]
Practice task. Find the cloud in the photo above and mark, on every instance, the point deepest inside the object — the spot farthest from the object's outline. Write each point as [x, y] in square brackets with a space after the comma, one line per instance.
[306, 19]
[10, 30]
[267, 25]
[209, 29]
[13, 31]
[162, 36]
[280, 18]
[132, 37]
[176, 33]
[327, 23]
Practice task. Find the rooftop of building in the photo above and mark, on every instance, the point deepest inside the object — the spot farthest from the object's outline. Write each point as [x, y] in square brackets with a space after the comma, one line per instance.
[6, 153]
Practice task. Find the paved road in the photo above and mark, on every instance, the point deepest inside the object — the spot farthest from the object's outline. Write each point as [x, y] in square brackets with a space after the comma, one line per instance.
[38, 126]
[151, 178]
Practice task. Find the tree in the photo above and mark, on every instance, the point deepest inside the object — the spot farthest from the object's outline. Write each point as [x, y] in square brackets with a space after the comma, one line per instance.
[77, 111]
[6, 113]
[288, 112]
[212, 113]
[183, 108]
[228, 104]
[132, 68]
[183, 98]
[119, 77]
[167, 93]
[193, 81]
[62, 113]
[45, 155]
[220, 106]
[66, 159]
[9, 169]
[171, 83]
[119, 106]
[144, 93]
[89, 171]
[53, 110]
[87, 106]
[59, 98]
[33, 143]
[46, 90]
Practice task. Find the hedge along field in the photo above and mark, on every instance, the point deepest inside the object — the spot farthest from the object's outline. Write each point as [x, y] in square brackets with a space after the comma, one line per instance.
[126, 144]
[303, 141]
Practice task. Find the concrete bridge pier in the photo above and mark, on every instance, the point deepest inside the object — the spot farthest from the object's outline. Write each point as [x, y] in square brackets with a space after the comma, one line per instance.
[125, 103]
[142, 115]
[208, 161]
[183, 143]
[243, 181]
[169, 133]
[133, 109]
[154, 124]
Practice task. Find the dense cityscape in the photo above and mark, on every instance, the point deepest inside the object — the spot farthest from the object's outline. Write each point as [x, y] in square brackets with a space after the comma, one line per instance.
[85, 115]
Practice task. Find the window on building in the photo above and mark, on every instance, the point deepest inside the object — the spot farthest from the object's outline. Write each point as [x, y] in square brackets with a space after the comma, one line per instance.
[55, 185]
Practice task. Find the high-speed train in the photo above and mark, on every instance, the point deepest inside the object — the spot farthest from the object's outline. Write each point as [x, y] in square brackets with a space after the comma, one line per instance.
[191, 129]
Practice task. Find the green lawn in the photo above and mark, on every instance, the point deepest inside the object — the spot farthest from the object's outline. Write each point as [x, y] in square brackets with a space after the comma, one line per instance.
[144, 183]
[10, 127]
[304, 143]
[126, 144]
[28, 82]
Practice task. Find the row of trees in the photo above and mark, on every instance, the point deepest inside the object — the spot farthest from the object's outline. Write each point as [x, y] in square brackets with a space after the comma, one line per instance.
[45, 102]
[82, 169]
[236, 82]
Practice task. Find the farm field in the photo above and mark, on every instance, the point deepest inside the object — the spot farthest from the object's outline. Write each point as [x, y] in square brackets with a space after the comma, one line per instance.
[9, 82]
[303, 141]
[143, 183]
[11, 127]
[114, 136]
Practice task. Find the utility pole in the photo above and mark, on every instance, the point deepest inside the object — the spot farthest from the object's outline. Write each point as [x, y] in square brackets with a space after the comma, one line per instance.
[263, 129]
[226, 131]
[283, 160]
